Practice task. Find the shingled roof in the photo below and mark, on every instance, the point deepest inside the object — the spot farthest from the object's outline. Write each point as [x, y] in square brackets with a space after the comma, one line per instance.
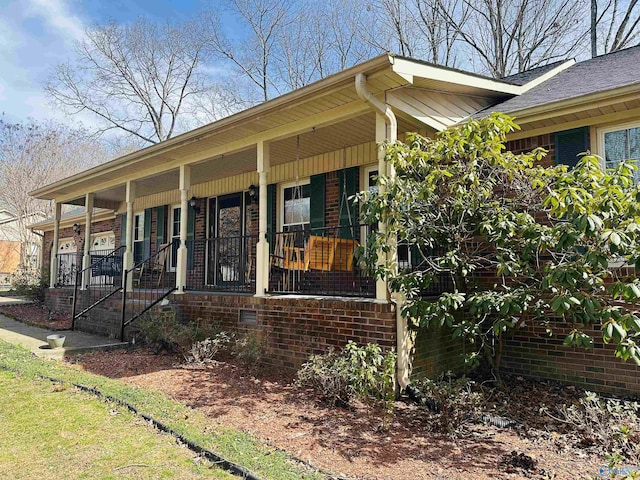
[599, 74]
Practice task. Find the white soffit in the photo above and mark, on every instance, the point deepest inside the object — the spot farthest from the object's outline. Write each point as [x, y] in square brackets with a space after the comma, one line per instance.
[435, 109]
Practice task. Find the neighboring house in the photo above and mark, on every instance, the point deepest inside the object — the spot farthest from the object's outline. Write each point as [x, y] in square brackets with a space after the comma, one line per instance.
[247, 221]
[17, 247]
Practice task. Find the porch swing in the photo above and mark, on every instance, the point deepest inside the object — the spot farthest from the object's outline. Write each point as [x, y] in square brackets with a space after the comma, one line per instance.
[334, 253]
[288, 256]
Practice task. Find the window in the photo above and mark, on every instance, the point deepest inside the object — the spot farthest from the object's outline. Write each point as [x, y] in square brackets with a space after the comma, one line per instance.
[174, 230]
[296, 210]
[138, 237]
[371, 178]
[620, 144]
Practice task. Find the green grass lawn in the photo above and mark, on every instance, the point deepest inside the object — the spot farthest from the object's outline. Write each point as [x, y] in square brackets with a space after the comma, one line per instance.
[53, 432]
[62, 434]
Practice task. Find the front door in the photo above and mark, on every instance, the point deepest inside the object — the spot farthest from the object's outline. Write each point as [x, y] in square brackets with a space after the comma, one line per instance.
[226, 259]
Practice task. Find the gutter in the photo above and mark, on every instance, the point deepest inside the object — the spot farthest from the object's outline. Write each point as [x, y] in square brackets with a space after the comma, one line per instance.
[403, 338]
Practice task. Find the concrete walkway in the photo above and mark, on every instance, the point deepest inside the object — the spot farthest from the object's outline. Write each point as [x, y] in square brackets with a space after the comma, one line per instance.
[35, 339]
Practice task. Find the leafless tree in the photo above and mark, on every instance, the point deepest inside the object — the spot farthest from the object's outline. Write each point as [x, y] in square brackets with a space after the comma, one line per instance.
[316, 45]
[441, 36]
[254, 52]
[617, 24]
[510, 36]
[394, 27]
[135, 78]
[33, 155]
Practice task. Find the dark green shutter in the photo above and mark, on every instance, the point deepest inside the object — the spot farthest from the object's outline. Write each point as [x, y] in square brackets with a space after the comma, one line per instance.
[123, 229]
[161, 221]
[271, 215]
[147, 233]
[348, 179]
[317, 200]
[191, 224]
[569, 144]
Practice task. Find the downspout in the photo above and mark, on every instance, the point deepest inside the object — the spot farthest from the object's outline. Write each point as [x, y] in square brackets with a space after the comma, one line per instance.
[381, 108]
[403, 337]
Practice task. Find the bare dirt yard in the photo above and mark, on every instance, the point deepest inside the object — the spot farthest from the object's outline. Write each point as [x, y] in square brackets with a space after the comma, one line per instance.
[358, 442]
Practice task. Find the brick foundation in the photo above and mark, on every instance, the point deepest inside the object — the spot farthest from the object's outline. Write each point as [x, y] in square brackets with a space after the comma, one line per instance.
[294, 327]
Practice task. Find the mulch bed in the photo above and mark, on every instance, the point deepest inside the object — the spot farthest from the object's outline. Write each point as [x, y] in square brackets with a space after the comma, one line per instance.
[38, 315]
[357, 442]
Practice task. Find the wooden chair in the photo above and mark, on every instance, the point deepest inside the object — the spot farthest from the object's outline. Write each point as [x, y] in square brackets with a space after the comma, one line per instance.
[158, 264]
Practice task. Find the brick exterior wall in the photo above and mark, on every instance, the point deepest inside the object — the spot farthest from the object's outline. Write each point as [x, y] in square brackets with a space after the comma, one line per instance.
[295, 328]
[525, 145]
[98, 227]
[533, 354]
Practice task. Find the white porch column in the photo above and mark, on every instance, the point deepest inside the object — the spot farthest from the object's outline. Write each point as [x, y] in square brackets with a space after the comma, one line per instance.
[262, 248]
[181, 261]
[382, 292]
[86, 259]
[128, 253]
[53, 260]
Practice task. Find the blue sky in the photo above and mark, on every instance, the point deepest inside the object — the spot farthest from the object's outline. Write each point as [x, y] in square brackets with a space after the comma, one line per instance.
[35, 35]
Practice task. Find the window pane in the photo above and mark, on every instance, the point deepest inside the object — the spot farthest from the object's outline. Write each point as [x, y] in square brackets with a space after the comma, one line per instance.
[175, 230]
[615, 147]
[372, 181]
[298, 209]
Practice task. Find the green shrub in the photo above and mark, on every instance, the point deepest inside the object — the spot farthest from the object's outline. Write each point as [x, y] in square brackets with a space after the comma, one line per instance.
[609, 425]
[250, 349]
[28, 284]
[163, 331]
[454, 401]
[211, 348]
[363, 372]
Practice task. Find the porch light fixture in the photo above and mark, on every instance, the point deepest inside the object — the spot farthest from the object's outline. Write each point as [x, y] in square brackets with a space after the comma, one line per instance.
[253, 193]
[76, 228]
[193, 203]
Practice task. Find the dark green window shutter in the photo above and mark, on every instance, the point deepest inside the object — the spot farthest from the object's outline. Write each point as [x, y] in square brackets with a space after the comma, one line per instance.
[161, 222]
[348, 179]
[191, 225]
[317, 196]
[271, 215]
[569, 144]
[147, 232]
[123, 229]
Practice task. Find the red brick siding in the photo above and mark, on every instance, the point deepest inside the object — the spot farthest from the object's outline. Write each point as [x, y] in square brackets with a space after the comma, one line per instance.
[525, 145]
[533, 354]
[295, 328]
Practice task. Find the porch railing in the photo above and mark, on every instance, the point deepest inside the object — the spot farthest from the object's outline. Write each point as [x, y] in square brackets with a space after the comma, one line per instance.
[96, 283]
[67, 265]
[320, 261]
[151, 284]
[226, 264]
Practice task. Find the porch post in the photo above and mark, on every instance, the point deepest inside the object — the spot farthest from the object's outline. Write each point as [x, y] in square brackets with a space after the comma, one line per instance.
[86, 259]
[262, 248]
[53, 260]
[128, 253]
[382, 292]
[182, 260]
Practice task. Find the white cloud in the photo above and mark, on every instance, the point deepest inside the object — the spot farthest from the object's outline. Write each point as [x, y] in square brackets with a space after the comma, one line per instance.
[58, 16]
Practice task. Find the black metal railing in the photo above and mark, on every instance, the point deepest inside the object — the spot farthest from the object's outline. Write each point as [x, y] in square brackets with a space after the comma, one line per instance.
[97, 282]
[67, 265]
[151, 284]
[413, 260]
[320, 261]
[225, 264]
